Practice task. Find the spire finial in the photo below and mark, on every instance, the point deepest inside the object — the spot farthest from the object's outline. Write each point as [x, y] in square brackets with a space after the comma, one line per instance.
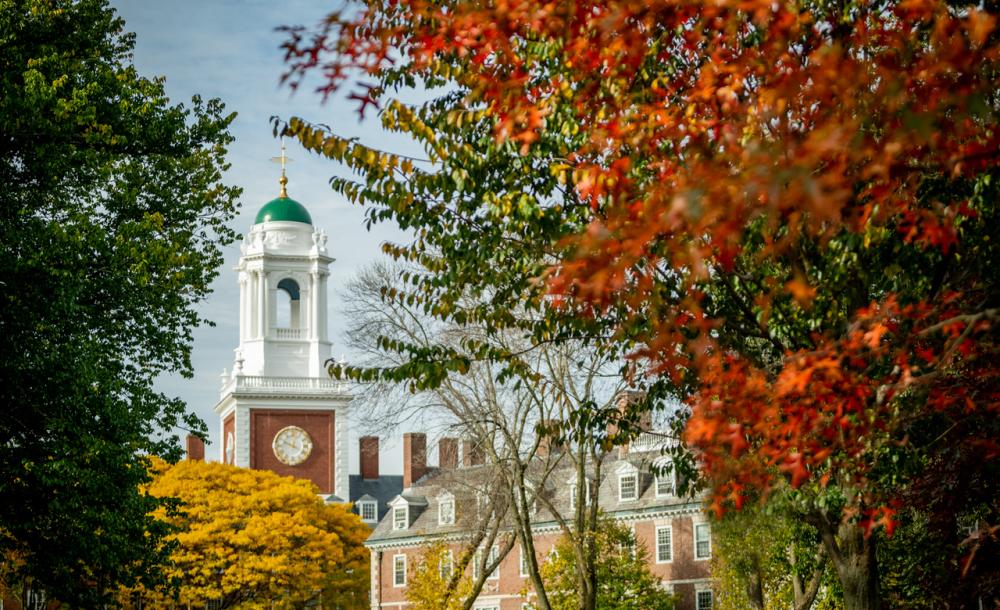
[283, 159]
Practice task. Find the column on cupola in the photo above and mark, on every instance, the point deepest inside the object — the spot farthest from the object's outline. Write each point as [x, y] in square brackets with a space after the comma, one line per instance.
[243, 307]
[262, 289]
[322, 306]
[314, 316]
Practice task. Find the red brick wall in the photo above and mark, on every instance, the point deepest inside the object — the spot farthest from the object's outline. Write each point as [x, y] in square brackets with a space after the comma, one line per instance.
[318, 467]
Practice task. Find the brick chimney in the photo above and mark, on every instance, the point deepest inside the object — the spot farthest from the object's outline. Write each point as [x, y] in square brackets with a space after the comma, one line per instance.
[414, 457]
[472, 455]
[548, 443]
[645, 423]
[448, 453]
[195, 448]
[368, 448]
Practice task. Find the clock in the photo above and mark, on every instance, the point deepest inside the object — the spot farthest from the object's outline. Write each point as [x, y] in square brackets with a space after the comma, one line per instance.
[292, 445]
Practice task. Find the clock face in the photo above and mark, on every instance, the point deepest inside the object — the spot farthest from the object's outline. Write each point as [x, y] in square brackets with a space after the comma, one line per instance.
[292, 445]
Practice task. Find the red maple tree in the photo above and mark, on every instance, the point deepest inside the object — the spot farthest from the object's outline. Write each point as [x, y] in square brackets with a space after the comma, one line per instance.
[727, 137]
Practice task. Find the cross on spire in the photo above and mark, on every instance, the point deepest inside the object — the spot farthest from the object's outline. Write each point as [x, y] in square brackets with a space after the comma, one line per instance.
[283, 159]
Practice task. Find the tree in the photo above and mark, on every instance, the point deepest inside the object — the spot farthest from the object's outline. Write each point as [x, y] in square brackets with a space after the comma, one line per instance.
[248, 538]
[435, 584]
[786, 209]
[765, 559]
[112, 216]
[623, 576]
[528, 418]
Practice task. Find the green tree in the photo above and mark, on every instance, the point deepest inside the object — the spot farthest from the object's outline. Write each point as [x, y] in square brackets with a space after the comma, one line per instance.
[624, 581]
[765, 559]
[112, 214]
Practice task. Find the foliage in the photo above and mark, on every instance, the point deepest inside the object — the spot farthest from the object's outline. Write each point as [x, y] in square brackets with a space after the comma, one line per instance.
[433, 587]
[764, 558]
[112, 215]
[248, 538]
[624, 581]
[785, 211]
[512, 417]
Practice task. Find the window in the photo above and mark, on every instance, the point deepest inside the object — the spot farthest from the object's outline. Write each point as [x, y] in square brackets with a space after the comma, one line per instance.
[368, 511]
[447, 561]
[703, 600]
[628, 487]
[666, 482]
[446, 511]
[523, 569]
[399, 571]
[477, 561]
[494, 554]
[702, 542]
[399, 518]
[664, 544]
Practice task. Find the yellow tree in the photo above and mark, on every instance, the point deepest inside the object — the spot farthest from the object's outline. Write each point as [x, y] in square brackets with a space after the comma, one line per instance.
[252, 539]
[440, 580]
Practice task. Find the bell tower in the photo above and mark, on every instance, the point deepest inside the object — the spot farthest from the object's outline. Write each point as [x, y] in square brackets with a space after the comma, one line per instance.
[278, 408]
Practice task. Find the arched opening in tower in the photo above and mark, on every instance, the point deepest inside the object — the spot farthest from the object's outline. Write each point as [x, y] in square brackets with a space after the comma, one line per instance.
[288, 304]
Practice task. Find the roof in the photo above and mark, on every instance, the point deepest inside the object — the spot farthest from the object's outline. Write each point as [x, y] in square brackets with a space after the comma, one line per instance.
[464, 484]
[382, 489]
[283, 209]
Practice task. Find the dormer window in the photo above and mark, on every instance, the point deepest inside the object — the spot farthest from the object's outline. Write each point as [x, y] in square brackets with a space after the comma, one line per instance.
[400, 518]
[368, 510]
[628, 487]
[666, 480]
[628, 483]
[446, 509]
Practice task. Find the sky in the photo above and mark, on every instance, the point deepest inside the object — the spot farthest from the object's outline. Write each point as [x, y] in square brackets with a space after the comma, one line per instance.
[229, 49]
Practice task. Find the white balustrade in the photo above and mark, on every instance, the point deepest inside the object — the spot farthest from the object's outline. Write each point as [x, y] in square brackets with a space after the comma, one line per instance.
[279, 384]
[288, 333]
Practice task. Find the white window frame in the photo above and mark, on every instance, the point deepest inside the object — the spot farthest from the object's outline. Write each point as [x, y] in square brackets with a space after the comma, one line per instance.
[477, 560]
[368, 504]
[395, 570]
[492, 557]
[447, 559]
[406, 517]
[446, 517]
[711, 599]
[635, 487]
[672, 479]
[522, 567]
[669, 528]
[694, 536]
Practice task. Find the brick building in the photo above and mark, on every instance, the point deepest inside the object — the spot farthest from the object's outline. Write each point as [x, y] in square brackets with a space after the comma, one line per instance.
[441, 504]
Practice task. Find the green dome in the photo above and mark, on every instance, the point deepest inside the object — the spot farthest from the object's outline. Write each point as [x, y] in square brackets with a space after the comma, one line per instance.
[283, 209]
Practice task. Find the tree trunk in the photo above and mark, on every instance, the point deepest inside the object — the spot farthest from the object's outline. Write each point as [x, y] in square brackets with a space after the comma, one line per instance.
[853, 557]
[754, 585]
